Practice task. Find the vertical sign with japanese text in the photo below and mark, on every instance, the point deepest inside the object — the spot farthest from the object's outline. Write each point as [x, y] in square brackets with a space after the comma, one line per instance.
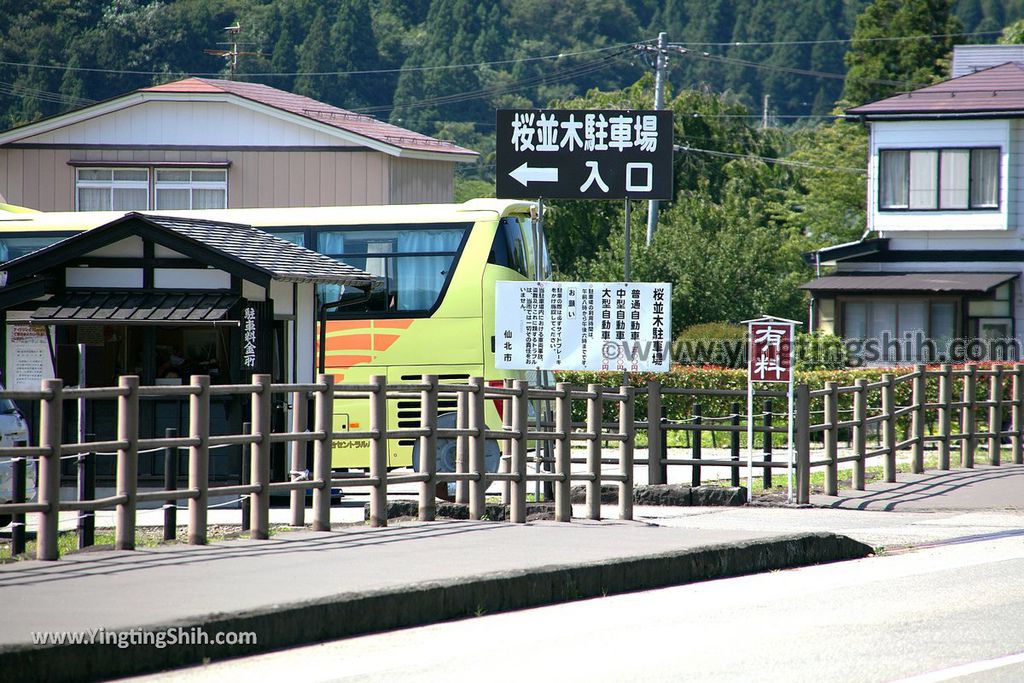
[622, 326]
[771, 351]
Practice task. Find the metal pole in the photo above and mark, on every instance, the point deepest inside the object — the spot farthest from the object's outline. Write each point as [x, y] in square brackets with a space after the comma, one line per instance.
[246, 478]
[698, 445]
[659, 103]
[626, 245]
[322, 423]
[789, 440]
[750, 438]
[766, 474]
[86, 491]
[428, 449]
[170, 483]
[19, 467]
[127, 462]
[538, 270]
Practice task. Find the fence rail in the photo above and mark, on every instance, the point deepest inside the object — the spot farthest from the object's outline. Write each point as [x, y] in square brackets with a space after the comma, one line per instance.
[902, 414]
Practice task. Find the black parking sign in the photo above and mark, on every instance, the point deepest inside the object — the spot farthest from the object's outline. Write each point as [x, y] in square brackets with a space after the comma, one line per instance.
[584, 154]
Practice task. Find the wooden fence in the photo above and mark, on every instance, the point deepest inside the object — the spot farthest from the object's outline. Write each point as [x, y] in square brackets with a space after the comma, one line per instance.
[876, 420]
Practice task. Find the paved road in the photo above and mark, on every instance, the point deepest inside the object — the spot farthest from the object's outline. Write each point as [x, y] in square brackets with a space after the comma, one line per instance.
[950, 612]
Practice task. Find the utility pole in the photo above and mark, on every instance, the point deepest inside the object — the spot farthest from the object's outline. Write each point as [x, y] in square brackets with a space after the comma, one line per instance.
[764, 112]
[661, 65]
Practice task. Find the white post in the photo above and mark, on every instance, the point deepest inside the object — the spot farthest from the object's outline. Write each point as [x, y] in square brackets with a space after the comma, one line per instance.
[750, 434]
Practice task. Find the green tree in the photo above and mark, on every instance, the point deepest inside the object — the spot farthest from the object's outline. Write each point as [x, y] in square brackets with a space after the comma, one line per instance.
[879, 65]
[355, 49]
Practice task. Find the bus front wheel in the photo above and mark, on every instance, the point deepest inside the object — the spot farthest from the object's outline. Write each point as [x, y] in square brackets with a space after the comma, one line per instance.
[446, 450]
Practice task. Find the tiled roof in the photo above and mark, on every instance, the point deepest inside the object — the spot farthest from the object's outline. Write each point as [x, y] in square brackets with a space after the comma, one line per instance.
[998, 89]
[321, 112]
[281, 259]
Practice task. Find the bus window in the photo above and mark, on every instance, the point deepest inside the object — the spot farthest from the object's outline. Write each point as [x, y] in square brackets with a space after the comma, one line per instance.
[292, 236]
[414, 264]
[508, 249]
[12, 247]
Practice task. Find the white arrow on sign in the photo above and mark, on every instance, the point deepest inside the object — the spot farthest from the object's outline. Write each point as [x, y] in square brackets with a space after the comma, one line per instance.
[524, 174]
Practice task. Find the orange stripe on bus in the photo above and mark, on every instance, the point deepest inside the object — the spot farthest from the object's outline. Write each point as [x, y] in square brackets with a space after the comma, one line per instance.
[393, 324]
[349, 342]
[333, 325]
[346, 361]
[382, 342]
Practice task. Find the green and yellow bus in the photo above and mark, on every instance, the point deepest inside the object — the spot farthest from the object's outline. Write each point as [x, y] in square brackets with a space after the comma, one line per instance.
[432, 314]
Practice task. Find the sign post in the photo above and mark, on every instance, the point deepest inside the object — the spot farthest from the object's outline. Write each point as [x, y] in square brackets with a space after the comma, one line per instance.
[770, 359]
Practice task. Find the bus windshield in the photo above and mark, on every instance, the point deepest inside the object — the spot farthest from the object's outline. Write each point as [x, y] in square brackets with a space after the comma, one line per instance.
[415, 264]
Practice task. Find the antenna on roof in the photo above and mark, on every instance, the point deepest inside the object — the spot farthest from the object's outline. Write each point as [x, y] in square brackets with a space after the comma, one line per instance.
[231, 55]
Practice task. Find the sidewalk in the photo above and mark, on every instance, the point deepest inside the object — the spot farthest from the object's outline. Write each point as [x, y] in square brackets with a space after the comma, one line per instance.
[303, 587]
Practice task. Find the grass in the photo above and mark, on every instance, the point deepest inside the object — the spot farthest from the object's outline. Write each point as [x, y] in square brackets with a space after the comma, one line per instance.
[145, 537]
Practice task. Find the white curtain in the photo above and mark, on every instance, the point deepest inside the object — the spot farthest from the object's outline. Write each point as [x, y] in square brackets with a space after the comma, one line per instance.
[330, 243]
[209, 199]
[924, 176]
[420, 278]
[93, 199]
[953, 181]
[893, 182]
[985, 178]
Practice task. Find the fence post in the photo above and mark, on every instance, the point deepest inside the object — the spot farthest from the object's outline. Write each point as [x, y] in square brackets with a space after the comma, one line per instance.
[627, 428]
[968, 417]
[428, 449]
[917, 422]
[656, 469]
[595, 420]
[563, 452]
[697, 445]
[19, 480]
[945, 413]
[170, 484]
[259, 501]
[300, 421]
[50, 424]
[802, 437]
[860, 431]
[1016, 412]
[86, 491]
[831, 416]
[995, 415]
[734, 445]
[127, 462]
[477, 449]
[520, 426]
[889, 427]
[199, 458]
[506, 444]
[461, 447]
[767, 444]
[323, 405]
[379, 451]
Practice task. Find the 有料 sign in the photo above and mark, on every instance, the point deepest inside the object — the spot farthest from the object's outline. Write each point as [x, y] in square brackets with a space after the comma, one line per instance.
[583, 326]
[584, 154]
[771, 351]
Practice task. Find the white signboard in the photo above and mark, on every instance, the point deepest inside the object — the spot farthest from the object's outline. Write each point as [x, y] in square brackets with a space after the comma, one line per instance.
[28, 357]
[583, 326]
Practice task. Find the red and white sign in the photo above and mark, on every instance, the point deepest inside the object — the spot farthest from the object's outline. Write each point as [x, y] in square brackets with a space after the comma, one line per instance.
[771, 351]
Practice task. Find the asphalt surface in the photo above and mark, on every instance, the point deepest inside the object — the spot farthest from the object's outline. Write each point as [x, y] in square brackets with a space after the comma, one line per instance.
[949, 613]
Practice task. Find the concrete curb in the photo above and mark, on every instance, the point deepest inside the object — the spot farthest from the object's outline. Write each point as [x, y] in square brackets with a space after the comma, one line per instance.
[350, 614]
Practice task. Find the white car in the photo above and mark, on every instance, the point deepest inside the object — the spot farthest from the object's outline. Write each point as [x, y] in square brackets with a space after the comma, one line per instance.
[13, 432]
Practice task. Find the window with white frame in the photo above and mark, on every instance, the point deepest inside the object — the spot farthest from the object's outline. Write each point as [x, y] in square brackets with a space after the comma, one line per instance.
[938, 179]
[191, 189]
[112, 189]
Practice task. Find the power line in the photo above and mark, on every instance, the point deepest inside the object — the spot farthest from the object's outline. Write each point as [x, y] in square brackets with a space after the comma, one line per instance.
[744, 43]
[137, 72]
[771, 160]
[26, 92]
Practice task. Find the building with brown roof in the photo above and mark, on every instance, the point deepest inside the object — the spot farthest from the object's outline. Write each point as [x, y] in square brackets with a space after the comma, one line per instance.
[942, 256]
[206, 143]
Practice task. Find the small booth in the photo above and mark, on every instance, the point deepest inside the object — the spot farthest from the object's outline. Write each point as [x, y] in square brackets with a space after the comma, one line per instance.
[165, 298]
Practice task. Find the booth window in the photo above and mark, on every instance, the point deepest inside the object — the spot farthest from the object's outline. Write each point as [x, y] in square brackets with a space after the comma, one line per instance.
[112, 189]
[896, 320]
[191, 189]
[938, 179]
